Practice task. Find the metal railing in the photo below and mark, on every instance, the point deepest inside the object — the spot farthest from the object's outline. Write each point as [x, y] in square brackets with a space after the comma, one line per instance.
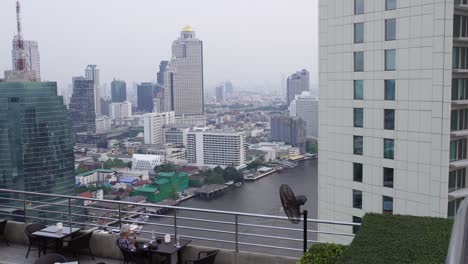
[237, 231]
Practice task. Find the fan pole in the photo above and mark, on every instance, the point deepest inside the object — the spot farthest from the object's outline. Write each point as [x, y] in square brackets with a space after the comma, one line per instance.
[305, 230]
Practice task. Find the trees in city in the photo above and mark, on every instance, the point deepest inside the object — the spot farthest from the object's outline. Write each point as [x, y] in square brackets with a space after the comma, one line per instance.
[165, 168]
[114, 163]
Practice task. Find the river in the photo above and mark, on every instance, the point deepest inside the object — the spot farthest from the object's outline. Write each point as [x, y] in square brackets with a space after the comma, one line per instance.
[261, 196]
[258, 197]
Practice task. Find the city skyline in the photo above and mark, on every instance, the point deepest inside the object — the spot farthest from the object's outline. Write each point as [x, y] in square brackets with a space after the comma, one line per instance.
[248, 64]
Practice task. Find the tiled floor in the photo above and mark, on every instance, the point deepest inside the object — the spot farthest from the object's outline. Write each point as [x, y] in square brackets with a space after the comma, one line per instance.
[17, 254]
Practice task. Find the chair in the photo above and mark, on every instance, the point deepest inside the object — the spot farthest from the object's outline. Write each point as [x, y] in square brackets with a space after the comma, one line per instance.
[78, 243]
[2, 231]
[138, 257]
[51, 259]
[209, 257]
[33, 240]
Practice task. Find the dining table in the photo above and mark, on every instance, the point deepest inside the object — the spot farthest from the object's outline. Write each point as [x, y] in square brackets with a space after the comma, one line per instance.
[52, 233]
[172, 251]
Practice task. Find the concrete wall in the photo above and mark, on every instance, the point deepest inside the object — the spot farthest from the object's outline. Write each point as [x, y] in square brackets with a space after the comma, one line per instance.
[103, 245]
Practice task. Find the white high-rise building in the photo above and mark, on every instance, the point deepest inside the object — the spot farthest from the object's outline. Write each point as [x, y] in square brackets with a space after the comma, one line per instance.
[153, 126]
[183, 80]
[120, 110]
[215, 148]
[31, 51]
[305, 106]
[92, 73]
[296, 84]
[393, 113]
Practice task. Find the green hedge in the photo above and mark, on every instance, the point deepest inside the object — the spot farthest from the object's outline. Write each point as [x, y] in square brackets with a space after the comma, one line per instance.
[322, 254]
[399, 239]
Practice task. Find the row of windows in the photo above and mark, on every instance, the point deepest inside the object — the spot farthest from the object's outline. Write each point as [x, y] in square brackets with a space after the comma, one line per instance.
[387, 175]
[460, 58]
[390, 60]
[388, 147]
[459, 119]
[460, 26]
[458, 149]
[459, 89]
[389, 5]
[389, 118]
[457, 179]
[390, 30]
[387, 202]
[453, 207]
[389, 90]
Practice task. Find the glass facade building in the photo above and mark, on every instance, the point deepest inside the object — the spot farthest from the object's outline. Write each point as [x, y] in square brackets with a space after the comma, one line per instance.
[118, 91]
[36, 139]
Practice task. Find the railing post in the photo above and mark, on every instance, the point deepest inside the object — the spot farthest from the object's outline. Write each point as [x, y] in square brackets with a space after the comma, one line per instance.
[237, 233]
[69, 213]
[175, 223]
[24, 208]
[120, 218]
[305, 230]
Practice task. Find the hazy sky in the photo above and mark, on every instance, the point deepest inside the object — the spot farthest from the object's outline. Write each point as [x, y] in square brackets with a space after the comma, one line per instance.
[251, 42]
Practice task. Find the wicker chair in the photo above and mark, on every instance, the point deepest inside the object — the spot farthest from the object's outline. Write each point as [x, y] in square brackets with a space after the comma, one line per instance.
[80, 242]
[33, 240]
[51, 259]
[2, 231]
[208, 258]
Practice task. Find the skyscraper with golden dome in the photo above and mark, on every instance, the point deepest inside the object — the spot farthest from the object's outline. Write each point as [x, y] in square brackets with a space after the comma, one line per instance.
[184, 76]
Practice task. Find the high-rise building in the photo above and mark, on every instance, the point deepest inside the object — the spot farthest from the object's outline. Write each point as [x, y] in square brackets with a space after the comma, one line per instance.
[36, 135]
[82, 105]
[120, 110]
[305, 106]
[92, 73]
[291, 130]
[296, 84]
[145, 96]
[36, 139]
[392, 114]
[183, 79]
[219, 93]
[158, 101]
[162, 69]
[105, 104]
[215, 148]
[153, 126]
[118, 91]
[228, 89]
[32, 56]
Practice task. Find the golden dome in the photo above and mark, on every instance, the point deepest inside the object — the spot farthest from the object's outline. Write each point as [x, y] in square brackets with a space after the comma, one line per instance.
[187, 29]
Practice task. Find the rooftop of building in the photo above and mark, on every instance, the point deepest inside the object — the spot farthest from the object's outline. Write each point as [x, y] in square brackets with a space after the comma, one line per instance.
[146, 157]
[94, 171]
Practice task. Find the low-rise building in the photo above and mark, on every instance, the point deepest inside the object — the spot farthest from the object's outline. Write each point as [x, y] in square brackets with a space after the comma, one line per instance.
[103, 124]
[133, 174]
[275, 150]
[141, 162]
[96, 176]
